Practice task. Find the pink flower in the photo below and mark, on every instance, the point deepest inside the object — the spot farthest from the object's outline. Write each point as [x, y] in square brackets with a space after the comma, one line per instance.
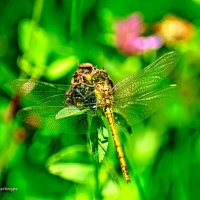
[129, 39]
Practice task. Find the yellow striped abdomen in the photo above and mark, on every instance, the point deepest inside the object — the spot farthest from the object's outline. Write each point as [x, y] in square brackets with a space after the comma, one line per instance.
[110, 116]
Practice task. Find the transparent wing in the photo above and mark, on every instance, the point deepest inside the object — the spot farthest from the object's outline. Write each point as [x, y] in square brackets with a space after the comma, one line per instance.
[40, 93]
[136, 108]
[147, 79]
[47, 108]
[45, 117]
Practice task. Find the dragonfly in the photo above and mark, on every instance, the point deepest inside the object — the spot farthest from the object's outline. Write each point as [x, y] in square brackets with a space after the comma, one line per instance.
[66, 108]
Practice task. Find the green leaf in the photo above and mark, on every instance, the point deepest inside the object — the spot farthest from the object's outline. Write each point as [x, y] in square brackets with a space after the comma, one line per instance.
[98, 138]
[65, 164]
[70, 111]
[76, 172]
[102, 142]
[68, 154]
[33, 42]
[61, 67]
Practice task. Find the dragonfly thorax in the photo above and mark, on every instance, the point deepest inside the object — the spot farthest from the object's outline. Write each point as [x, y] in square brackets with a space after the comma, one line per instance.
[104, 94]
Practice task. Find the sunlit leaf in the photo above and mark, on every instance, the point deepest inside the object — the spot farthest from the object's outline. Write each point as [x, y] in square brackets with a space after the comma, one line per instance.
[67, 154]
[33, 41]
[76, 172]
[69, 111]
[61, 67]
[63, 164]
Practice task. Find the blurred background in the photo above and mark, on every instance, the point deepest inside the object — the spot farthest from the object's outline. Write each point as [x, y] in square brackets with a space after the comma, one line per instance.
[45, 40]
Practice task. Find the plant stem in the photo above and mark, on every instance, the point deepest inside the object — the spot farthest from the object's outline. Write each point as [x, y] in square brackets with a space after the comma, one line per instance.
[139, 185]
[98, 195]
[75, 23]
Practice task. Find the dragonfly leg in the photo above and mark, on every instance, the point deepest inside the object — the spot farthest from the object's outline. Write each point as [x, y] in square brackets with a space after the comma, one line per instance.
[79, 93]
[88, 85]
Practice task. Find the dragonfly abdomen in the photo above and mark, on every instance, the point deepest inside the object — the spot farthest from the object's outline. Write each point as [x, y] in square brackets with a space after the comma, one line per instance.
[110, 116]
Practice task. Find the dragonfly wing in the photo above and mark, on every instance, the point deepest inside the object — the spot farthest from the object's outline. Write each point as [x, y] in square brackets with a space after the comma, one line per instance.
[122, 123]
[136, 108]
[147, 79]
[45, 117]
[40, 93]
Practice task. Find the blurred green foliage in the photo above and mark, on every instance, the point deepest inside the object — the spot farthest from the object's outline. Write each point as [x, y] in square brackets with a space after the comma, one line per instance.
[46, 40]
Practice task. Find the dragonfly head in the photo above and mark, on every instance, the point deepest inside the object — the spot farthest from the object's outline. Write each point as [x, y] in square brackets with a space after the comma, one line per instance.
[89, 86]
